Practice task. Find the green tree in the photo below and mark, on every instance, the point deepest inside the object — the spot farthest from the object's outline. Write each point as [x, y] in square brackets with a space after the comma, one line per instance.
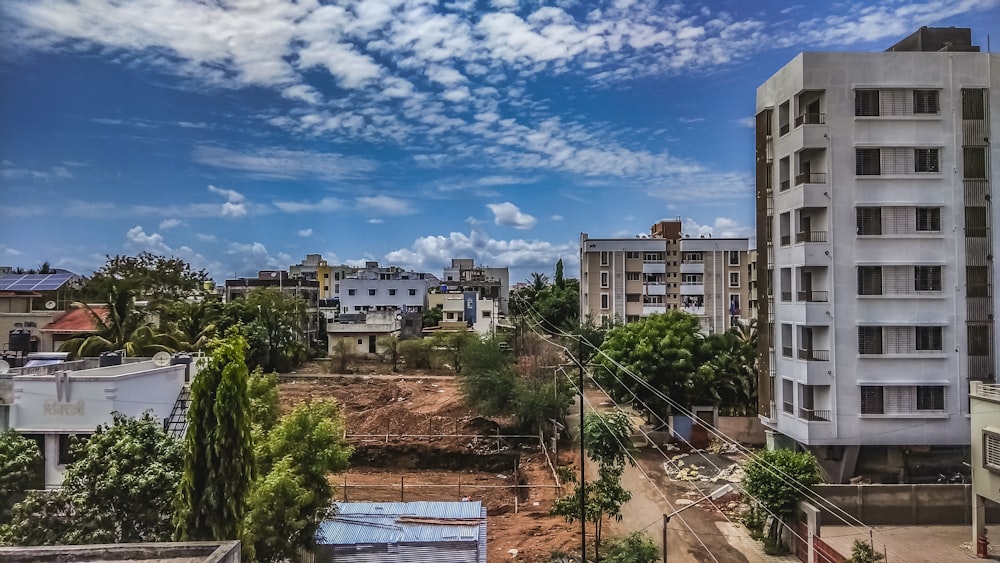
[119, 489]
[607, 439]
[20, 467]
[452, 346]
[388, 347]
[431, 316]
[265, 407]
[560, 281]
[293, 494]
[192, 324]
[636, 547]
[122, 327]
[488, 382]
[417, 354]
[775, 481]
[862, 552]
[219, 460]
[272, 324]
[727, 374]
[152, 277]
[343, 352]
[659, 351]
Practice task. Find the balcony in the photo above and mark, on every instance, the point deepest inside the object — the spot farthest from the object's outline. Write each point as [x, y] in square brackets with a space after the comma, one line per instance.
[810, 236]
[813, 296]
[654, 267]
[654, 288]
[810, 178]
[654, 308]
[694, 310]
[815, 415]
[811, 355]
[810, 119]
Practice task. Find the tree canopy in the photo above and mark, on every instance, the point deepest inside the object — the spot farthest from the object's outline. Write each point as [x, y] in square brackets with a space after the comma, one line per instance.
[219, 460]
[123, 327]
[20, 467]
[271, 323]
[119, 489]
[775, 481]
[150, 276]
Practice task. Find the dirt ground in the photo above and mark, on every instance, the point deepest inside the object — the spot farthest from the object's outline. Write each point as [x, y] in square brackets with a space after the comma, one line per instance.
[415, 439]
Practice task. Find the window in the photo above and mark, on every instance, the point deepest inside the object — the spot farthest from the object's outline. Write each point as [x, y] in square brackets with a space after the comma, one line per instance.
[928, 219]
[973, 103]
[927, 278]
[869, 220]
[352, 292]
[326, 276]
[869, 340]
[869, 280]
[392, 291]
[371, 292]
[925, 101]
[633, 297]
[977, 279]
[930, 398]
[867, 162]
[866, 103]
[928, 338]
[788, 396]
[734, 279]
[734, 258]
[413, 291]
[925, 160]
[604, 301]
[872, 399]
[633, 276]
[974, 162]
[66, 443]
[991, 451]
[979, 339]
[633, 254]
[605, 257]
[976, 225]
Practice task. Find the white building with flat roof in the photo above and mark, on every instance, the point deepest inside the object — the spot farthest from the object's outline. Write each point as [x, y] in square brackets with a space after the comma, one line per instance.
[876, 238]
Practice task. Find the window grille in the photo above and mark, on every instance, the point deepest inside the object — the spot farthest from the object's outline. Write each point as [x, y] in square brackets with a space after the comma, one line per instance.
[925, 101]
[869, 220]
[928, 219]
[929, 338]
[976, 224]
[872, 399]
[973, 103]
[870, 340]
[974, 163]
[632, 276]
[991, 451]
[926, 160]
[930, 398]
[927, 278]
[867, 162]
[866, 103]
[869, 280]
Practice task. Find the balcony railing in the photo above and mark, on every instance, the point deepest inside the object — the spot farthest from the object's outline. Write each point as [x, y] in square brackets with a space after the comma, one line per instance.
[810, 178]
[814, 355]
[815, 415]
[811, 236]
[814, 296]
[810, 119]
[784, 185]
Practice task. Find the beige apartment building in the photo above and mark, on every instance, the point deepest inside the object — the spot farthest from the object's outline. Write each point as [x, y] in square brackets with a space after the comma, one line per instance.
[626, 279]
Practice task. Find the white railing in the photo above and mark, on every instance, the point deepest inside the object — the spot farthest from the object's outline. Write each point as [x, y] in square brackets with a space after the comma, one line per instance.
[986, 390]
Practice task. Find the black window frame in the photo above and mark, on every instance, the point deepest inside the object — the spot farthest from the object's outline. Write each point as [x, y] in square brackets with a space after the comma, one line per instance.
[872, 399]
[927, 278]
[927, 160]
[867, 161]
[928, 220]
[866, 102]
[926, 102]
[870, 341]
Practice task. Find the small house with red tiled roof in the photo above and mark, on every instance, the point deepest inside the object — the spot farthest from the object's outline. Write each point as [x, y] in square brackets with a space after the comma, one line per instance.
[73, 323]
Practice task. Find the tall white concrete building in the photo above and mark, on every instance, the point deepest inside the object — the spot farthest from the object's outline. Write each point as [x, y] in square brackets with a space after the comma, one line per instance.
[876, 242]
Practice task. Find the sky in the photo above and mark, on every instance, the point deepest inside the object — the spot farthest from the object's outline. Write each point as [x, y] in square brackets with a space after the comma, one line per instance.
[241, 135]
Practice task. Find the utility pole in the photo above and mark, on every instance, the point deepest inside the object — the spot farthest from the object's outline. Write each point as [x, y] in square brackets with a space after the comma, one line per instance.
[583, 463]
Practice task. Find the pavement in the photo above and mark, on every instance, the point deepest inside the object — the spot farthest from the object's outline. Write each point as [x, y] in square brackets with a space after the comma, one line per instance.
[911, 544]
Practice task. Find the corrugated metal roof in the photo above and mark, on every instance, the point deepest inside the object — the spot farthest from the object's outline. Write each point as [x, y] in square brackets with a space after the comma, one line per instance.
[391, 522]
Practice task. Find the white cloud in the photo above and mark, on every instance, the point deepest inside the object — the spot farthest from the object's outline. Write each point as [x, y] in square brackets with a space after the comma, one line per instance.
[305, 233]
[324, 205]
[169, 223]
[138, 238]
[9, 251]
[386, 205]
[235, 206]
[283, 163]
[725, 227]
[431, 253]
[557, 218]
[509, 215]
[254, 256]
[748, 122]
[376, 221]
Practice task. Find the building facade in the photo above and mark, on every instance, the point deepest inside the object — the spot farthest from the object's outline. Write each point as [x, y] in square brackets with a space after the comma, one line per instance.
[875, 241]
[626, 279]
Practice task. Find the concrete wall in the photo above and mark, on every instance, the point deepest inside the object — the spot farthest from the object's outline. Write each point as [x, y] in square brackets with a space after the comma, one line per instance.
[192, 552]
[743, 429]
[906, 505]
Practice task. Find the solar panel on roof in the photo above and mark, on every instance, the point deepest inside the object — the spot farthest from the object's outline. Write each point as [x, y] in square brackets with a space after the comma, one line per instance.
[33, 282]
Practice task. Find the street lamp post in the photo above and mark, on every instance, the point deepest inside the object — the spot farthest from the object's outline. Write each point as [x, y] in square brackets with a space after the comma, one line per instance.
[716, 494]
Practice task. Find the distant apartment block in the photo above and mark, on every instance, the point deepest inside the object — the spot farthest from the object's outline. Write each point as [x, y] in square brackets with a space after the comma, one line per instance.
[626, 279]
[490, 283]
[875, 234]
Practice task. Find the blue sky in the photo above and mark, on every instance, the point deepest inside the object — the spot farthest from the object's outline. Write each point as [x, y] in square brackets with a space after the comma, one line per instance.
[243, 134]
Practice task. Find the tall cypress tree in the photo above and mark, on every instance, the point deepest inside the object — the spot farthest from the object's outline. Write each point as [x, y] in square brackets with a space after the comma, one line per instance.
[219, 462]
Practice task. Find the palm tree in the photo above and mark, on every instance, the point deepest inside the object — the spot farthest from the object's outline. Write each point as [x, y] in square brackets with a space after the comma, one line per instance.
[194, 324]
[121, 327]
[538, 281]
